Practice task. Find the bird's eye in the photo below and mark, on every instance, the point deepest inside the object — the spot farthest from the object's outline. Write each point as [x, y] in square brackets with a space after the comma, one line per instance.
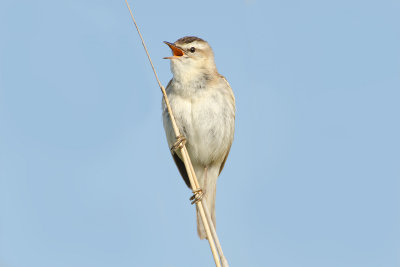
[192, 49]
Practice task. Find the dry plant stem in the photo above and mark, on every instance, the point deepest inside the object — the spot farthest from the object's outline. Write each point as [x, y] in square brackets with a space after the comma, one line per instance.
[189, 168]
[200, 206]
[224, 261]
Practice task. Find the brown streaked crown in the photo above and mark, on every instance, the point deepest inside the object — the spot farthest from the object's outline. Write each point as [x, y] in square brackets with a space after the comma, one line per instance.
[189, 39]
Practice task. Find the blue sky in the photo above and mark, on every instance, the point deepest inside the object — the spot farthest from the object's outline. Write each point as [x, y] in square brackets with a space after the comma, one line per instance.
[313, 177]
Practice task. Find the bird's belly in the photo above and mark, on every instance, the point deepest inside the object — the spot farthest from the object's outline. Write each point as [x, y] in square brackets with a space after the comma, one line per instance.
[207, 127]
[209, 138]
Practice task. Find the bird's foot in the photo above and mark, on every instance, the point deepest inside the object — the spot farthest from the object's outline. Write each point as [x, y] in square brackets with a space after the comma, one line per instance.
[180, 142]
[197, 196]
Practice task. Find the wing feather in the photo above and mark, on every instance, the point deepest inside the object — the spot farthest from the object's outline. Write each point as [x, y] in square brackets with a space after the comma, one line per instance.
[234, 105]
[182, 169]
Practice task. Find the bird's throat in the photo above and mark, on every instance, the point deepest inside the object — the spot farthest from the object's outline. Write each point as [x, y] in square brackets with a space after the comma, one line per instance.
[187, 85]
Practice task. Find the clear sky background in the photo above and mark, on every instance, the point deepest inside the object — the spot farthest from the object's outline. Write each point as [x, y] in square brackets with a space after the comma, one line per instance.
[313, 177]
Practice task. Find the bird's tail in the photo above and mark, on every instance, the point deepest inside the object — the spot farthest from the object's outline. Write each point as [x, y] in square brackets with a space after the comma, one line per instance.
[209, 187]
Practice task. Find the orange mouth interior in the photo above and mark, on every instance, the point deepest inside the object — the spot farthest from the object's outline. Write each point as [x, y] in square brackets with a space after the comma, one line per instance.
[177, 51]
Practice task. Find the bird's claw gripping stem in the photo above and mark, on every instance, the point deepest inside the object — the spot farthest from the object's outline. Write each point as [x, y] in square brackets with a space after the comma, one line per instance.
[180, 142]
[197, 196]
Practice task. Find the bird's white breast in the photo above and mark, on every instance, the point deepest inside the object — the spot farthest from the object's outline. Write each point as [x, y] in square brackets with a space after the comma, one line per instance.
[206, 117]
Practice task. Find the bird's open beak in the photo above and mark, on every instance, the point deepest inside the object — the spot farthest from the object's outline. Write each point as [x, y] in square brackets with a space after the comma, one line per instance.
[175, 50]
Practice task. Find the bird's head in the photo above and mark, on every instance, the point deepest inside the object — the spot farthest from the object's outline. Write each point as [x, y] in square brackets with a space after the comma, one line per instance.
[191, 57]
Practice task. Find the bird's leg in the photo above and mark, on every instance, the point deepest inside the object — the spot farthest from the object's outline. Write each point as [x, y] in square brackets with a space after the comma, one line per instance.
[198, 194]
[180, 142]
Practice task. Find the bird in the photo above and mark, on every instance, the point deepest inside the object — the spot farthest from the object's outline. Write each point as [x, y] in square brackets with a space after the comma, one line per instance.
[203, 104]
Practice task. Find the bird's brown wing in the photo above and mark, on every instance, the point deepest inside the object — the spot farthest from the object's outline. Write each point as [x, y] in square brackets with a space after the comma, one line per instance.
[182, 169]
[223, 163]
[234, 103]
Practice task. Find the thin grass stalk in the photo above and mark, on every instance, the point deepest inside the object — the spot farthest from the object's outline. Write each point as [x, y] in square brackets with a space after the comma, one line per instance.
[224, 261]
[194, 183]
